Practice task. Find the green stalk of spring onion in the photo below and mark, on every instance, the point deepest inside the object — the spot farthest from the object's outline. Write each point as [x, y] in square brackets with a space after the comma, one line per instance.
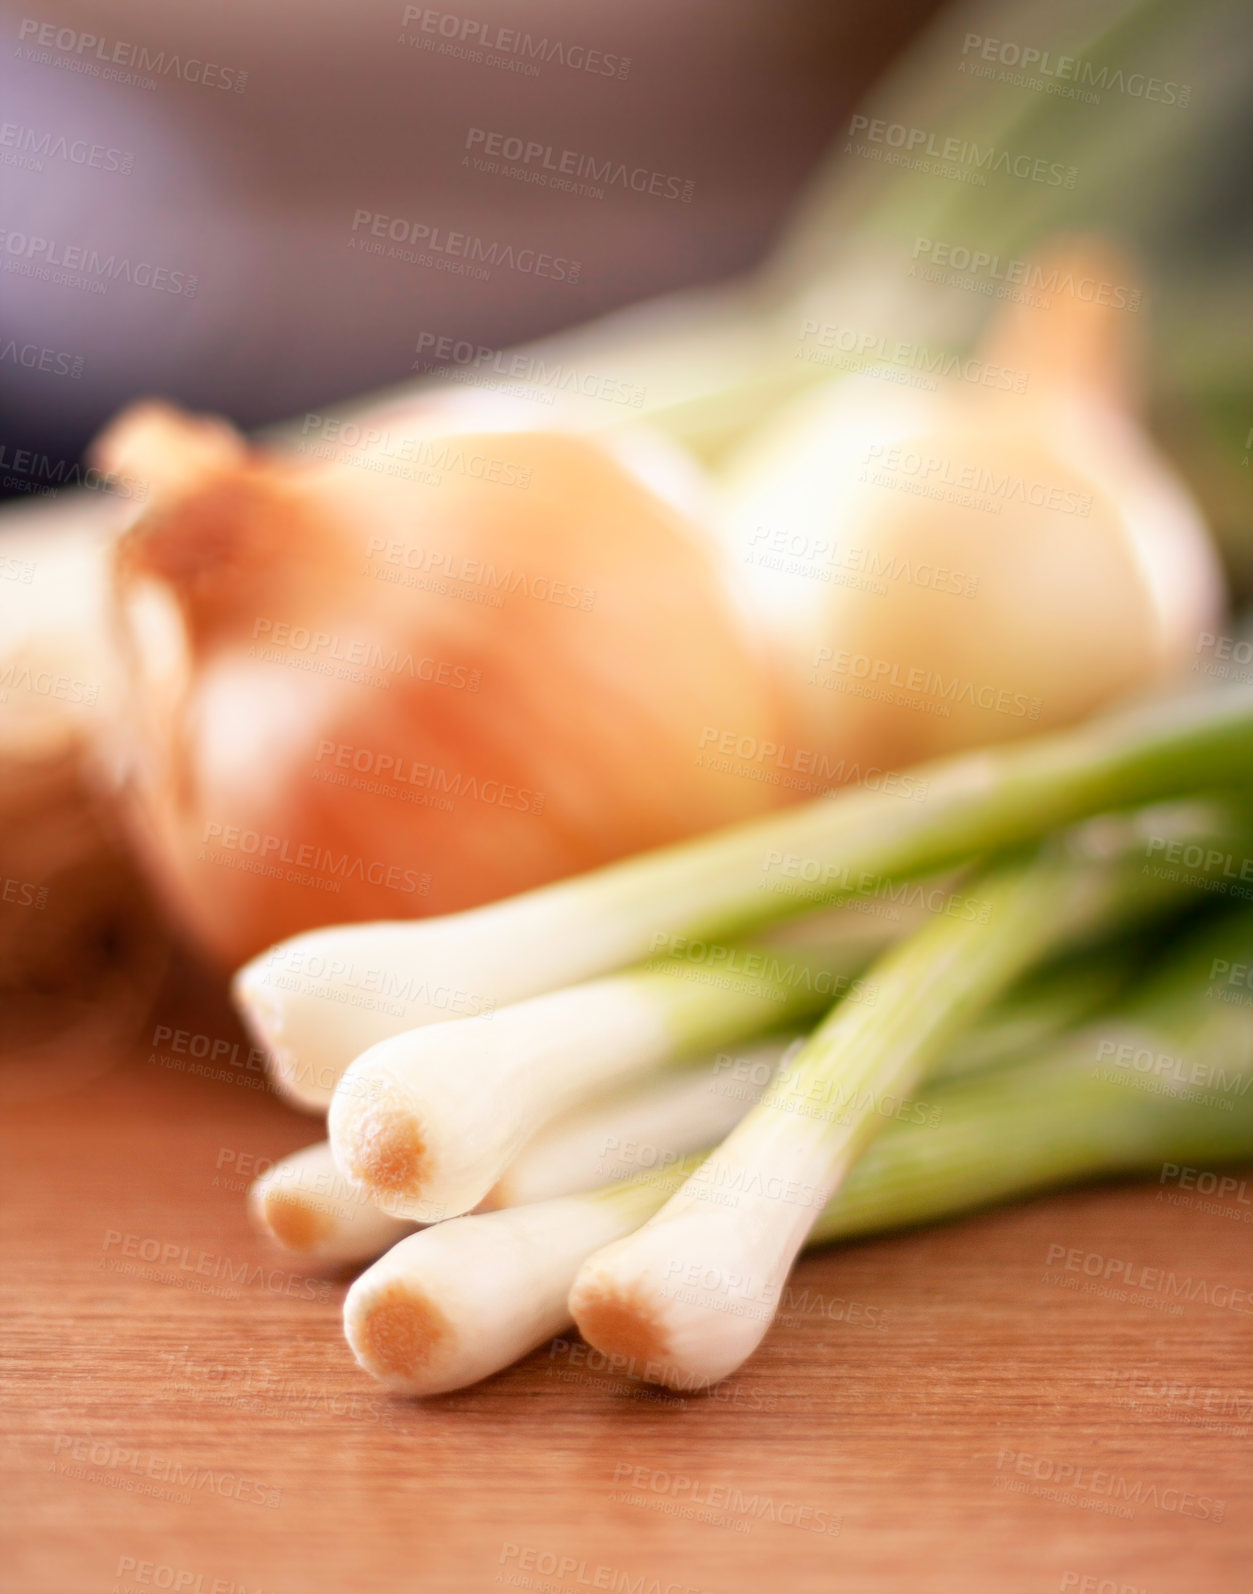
[853, 842]
[430, 1119]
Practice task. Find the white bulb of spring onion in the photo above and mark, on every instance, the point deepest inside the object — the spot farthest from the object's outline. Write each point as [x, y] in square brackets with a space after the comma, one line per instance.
[460, 1300]
[307, 1206]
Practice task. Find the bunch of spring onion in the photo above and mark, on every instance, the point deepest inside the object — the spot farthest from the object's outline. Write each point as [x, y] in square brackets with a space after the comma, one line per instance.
[1064, 897]
[302, 653]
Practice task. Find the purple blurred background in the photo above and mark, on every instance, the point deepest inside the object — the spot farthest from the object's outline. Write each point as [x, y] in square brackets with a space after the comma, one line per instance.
[251, 186]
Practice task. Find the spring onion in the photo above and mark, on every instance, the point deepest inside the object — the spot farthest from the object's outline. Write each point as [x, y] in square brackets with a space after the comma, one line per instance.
[430, 1119]
[307, 1206]
[746, 1212]
[458, 1302]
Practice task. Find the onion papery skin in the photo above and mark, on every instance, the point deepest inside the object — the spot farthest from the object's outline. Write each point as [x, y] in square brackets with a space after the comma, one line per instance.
[362, 691]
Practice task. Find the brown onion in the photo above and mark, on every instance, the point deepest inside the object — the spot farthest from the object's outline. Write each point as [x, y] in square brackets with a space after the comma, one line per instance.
[405, 680]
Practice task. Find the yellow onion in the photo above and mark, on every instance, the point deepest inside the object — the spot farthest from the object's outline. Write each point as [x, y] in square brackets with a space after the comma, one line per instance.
[413, 676]
[943, 569]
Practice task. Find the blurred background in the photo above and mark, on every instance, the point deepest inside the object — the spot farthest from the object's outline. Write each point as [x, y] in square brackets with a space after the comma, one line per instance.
[250, 185]
[217, 160]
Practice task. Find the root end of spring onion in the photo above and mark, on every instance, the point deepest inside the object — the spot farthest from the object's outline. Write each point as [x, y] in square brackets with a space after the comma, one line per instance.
[307, 1206]
[406, 1121]
[259, 1004]
[461, 1300]
[296, 999]
[685, 1300]
[617, 1318]
[289, 1219]
[378, 1141]
[396, 1333]
[264, 1014]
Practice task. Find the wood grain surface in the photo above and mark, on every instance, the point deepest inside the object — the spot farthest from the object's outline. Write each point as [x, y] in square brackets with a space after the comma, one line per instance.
[954, 1409]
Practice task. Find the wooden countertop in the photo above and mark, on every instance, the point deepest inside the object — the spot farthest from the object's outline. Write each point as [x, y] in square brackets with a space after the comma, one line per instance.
[940, 1414]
